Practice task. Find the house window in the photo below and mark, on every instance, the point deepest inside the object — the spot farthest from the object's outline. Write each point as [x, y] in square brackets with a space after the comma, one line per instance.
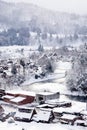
[25, 110]
[40, 98]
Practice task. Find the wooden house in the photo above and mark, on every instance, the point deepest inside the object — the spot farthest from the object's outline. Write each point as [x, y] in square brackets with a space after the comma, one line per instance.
[43, 96]
[60, 111]
[24, 114]
[19, 98]
[44, 116]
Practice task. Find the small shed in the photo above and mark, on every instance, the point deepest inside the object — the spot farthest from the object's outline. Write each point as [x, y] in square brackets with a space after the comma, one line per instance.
[43, 96]
[24, 114]
[66, 110]
[44, 116]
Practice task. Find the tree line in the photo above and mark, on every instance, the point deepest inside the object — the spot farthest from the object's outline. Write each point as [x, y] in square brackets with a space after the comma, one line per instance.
[23, 36]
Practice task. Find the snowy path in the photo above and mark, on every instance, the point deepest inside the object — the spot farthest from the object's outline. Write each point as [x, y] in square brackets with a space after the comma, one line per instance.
[54, 82]
[48, 78]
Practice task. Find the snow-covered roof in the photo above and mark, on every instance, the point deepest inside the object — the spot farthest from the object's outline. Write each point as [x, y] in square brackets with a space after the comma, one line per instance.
[46, 109]
[8, 97]
[45, 93]
[56, 101]
[45, 105]
[42, 115]
[68, 116]
[29, 93]
[60, 110]
[24, 107]
[42, 105]
[84, 112]
[23, 115]
[80, 121]
[52, 101]
[18, 99]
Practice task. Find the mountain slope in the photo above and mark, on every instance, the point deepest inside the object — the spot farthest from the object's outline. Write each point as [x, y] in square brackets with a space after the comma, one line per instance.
[21, 14]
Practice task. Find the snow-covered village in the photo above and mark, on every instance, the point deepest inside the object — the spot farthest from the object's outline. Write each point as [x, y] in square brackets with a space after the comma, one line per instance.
[43, 65]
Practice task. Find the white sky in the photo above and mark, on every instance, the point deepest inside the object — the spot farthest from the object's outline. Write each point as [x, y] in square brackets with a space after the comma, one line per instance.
[71, 6]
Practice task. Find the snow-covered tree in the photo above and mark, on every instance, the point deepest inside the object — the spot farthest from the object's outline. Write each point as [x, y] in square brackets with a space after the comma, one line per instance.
[46, 63]
[14, 70]
[22, 63]
[77, 77]
[40, 48]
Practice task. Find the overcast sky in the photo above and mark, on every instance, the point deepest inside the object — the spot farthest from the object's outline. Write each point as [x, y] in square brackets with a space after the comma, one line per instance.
[71, 6]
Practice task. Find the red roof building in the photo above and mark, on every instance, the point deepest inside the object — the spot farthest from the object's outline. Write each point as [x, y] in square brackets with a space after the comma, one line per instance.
[19, 98]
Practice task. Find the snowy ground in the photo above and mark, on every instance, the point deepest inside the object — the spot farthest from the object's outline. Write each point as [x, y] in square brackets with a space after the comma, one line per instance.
[18, 51]
[38, 126]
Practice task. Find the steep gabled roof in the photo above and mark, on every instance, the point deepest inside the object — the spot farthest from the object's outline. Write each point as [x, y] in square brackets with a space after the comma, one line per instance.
[42, 115]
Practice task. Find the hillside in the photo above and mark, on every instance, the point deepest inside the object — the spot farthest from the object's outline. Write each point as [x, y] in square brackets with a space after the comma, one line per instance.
[32, 16]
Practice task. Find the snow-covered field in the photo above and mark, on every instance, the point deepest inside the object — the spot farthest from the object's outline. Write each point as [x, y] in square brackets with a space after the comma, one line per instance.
[18, 51]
